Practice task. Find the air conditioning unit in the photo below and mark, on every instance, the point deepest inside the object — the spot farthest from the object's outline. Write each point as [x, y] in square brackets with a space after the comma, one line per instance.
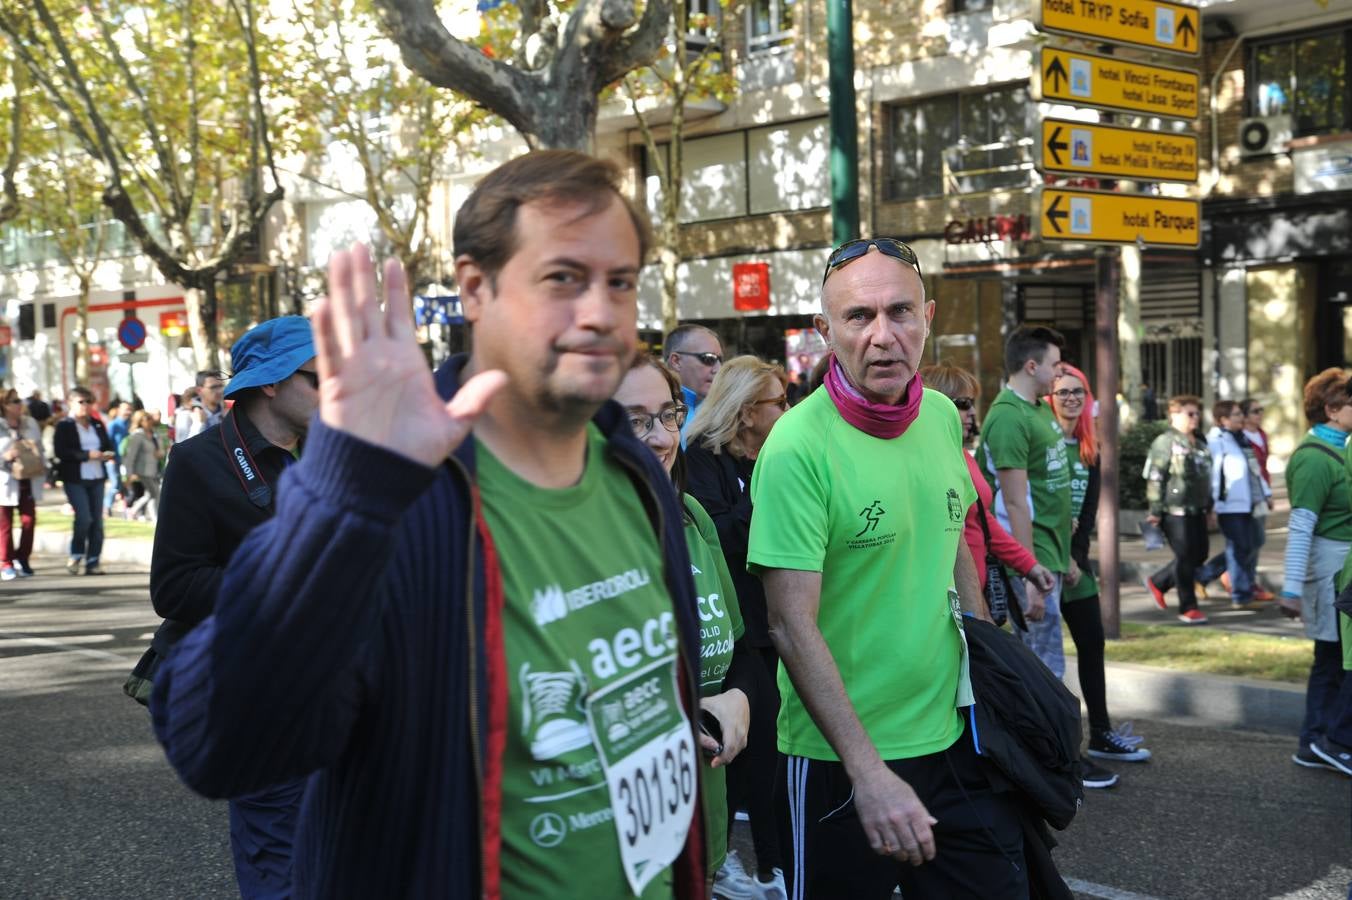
[1264, 135]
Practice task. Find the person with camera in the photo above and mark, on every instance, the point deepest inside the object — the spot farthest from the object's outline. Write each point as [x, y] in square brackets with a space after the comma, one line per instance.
[218, 486]
[20, 484]
[82, 446]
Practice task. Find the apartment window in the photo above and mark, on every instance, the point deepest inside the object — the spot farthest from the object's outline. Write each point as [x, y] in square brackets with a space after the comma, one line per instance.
[920, 133]
[769, 24]
[1304, 77]
[705, 21]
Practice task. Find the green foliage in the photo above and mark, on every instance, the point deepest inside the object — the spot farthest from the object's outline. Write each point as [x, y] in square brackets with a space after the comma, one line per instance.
[1133, 448]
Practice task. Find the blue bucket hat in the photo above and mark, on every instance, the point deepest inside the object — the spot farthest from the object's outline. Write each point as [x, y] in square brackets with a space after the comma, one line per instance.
[270, 352]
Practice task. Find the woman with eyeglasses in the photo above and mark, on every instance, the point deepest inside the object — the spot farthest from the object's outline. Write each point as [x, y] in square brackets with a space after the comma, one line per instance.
[722, 442]
[1318, 541]
[651, 394]
[18, 431]
[1178, 489]
[1072, 402]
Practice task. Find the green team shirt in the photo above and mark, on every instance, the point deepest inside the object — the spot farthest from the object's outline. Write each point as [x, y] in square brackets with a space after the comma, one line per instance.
[1316, 482]
[880, 520]
[1022, 435]
[720, 626]
[586, 605]
[1079, 485]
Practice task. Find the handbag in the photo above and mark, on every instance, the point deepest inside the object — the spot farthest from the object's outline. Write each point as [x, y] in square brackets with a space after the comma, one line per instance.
[997, 588]
[28, 464]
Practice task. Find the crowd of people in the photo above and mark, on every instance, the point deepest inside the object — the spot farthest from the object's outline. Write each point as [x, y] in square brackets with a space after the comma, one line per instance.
[547, 620]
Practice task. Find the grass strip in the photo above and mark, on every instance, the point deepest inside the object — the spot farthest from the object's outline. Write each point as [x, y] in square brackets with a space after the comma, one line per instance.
[116, 527]
[1213, 651]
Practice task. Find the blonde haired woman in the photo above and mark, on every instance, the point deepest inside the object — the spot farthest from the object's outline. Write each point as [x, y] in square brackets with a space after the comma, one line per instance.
[745, 400]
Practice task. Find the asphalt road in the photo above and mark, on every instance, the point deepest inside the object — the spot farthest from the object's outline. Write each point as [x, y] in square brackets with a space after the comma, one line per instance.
[88, 807]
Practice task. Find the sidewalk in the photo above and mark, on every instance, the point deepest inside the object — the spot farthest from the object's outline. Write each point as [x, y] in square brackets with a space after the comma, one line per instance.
[55, 541]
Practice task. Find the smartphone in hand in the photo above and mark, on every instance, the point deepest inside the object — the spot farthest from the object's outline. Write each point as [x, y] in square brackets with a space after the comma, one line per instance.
[708, 724]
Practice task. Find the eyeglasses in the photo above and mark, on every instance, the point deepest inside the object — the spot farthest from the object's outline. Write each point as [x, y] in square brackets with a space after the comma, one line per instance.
[672, 418]
[312, 377]
[1070, 394]
[1255, 411]
[859, 246]
[707, 359]
[964, 403]
[782, 401]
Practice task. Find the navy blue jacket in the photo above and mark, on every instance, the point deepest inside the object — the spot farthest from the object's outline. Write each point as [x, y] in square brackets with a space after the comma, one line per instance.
[357, 636]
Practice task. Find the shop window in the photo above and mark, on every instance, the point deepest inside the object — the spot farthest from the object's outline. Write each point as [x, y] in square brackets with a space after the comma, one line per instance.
[769, 24]
[1304, 77]
[27, 325]
[981, 133]
[49, 315]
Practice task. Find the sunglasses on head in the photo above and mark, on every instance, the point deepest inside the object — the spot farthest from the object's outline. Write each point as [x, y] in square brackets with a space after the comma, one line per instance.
[858, 247]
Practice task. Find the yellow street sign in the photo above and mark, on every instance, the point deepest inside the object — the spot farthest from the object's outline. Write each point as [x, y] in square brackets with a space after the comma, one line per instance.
[1083, 148]
[1096, 216]
[1087, 79]
[1156, 24]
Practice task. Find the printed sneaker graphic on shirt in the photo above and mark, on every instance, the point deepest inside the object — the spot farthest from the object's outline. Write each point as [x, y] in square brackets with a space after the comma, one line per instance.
[553, 716]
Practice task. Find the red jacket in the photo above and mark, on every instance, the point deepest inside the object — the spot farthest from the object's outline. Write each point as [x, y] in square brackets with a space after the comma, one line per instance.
[1003, 545]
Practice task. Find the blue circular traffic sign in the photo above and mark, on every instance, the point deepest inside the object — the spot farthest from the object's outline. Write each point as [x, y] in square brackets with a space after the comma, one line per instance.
[132, 333]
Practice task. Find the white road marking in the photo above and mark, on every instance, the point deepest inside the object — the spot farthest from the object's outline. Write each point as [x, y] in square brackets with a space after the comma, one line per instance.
[1103, 891]
[34, 641]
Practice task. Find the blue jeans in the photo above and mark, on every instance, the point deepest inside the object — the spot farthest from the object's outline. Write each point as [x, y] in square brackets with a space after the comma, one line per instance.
[1321, 693]
[1044, 636]
[1243, 536]
[86, 498]
[114, 484]
[262, 831]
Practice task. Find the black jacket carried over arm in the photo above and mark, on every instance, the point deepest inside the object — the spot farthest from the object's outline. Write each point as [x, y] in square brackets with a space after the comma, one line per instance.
[205, 512]
[69, 454]
[722, 485]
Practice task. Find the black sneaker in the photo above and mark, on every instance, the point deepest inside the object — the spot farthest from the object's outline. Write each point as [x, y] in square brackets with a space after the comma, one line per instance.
[1095, 776]
[1336, 755]
[1306, 757]
[1119, 745]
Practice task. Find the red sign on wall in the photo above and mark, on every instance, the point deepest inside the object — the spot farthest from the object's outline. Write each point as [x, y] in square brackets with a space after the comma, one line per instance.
[750, 286]
[174, 324]
[6, 335]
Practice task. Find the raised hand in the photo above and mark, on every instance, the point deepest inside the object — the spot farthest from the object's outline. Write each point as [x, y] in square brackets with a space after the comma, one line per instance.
[374, 382]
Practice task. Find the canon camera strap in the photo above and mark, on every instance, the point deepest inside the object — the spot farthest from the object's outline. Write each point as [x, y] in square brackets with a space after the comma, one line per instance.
[245, 468]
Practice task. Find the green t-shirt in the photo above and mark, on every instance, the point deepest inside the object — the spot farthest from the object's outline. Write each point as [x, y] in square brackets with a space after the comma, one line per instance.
[1079, 485]
[880, 520]
[1022, 435]
[720, 625]
[586, 608]
[1316, 482]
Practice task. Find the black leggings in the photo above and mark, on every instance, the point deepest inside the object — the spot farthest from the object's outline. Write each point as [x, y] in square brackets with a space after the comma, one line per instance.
[751, 776]
[1085, 622]
[1188, 538]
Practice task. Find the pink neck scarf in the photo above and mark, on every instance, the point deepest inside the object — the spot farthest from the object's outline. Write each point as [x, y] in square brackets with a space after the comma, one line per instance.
[882, 420]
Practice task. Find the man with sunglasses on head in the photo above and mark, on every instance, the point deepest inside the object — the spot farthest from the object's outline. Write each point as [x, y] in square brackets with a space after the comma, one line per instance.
[861, 491]
[695, 354]
[1023, 456]
[219, 485]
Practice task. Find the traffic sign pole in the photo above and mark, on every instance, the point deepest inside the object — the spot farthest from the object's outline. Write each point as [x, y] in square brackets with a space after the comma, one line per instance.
[1106, 363]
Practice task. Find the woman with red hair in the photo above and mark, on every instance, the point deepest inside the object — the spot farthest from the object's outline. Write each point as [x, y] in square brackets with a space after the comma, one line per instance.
[1073, 403]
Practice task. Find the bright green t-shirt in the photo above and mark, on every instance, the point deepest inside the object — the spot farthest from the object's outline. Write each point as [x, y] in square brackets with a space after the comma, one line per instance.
[880, 520]
[586, 609]
[1022, 435]
[1316, 482]
[720, 626]
[1079, 486]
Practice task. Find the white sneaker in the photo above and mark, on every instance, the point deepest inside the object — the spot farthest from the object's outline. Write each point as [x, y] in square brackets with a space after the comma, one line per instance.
[8, 574]
[732, 883]
[773, 889]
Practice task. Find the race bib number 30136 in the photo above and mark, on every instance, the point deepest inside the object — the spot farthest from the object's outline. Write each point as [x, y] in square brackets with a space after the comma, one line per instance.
[648, 753]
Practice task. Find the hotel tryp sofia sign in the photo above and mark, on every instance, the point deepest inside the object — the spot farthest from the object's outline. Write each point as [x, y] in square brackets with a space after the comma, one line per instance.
[1143, 23]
